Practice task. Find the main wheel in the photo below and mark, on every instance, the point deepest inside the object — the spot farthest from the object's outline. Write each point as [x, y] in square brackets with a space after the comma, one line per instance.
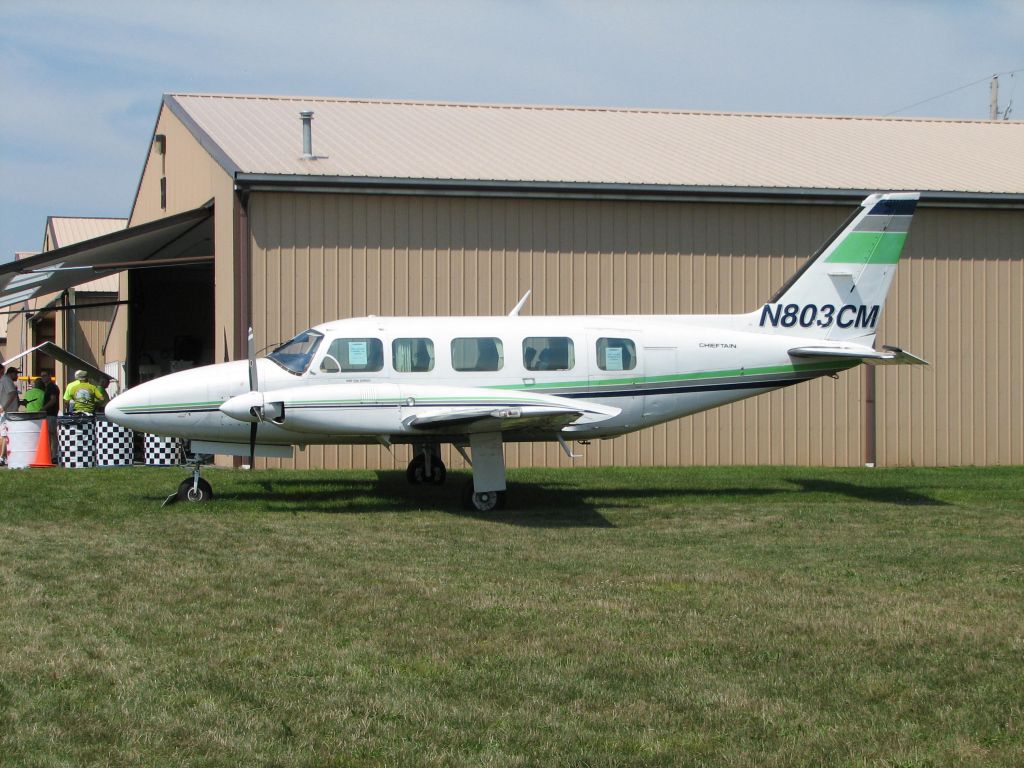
[487, 501]
[416, 472]
[196, 492]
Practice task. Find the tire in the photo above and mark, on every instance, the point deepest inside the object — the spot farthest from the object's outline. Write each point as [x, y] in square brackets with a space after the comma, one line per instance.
[488, 501]
[190, 491]
[416, 472]
[440, 473]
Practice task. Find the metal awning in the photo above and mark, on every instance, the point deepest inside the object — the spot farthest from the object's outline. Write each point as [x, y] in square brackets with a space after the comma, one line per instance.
[74, 362]
[183, 238]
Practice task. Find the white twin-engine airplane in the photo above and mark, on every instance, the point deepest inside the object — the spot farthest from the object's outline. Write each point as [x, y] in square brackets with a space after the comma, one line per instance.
[477, 382]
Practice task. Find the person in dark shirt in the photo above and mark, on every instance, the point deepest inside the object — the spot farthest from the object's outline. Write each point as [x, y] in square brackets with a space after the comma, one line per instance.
[51, 406]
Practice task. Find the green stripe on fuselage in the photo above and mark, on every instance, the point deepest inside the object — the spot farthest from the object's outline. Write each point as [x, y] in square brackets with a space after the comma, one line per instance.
[833, 365]
[869, 248]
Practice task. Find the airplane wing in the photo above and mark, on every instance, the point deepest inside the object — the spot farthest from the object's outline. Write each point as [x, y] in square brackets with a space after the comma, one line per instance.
[387, 408]
[889, 355]
[468, 420]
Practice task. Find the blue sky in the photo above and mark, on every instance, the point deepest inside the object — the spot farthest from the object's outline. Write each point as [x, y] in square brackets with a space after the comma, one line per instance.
[81, 82]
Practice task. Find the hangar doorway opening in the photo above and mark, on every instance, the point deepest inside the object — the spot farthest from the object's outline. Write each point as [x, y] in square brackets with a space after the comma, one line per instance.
[170, 320]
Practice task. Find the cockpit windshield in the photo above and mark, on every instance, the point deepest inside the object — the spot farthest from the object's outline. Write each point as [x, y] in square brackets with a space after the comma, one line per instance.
[295, 355]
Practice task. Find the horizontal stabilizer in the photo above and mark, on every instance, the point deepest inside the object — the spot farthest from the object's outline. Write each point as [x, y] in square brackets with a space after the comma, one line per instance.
[889, 355]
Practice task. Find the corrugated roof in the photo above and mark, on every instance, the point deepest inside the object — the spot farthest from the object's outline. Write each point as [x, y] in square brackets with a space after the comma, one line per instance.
[570, 145]
[68, 230]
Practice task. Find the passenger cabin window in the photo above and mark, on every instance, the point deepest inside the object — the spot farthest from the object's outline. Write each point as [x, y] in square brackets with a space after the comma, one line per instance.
[412, 355]
[482, 354]
[548, 353]
[616, 354]
[353, 356]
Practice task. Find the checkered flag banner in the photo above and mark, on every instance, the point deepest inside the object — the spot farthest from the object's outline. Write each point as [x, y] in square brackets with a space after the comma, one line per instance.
[115, 445]
[162, 451]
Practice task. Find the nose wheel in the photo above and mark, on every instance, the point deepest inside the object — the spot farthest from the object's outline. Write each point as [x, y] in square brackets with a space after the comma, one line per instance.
[194, 489]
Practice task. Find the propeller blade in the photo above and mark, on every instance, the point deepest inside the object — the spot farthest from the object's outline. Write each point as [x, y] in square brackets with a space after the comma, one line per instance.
[252, 445]
[227, 358]
[254, 384]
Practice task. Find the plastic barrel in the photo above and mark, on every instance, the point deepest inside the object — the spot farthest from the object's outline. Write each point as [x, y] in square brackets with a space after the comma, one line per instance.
[115, 445]
[22, 438]
[162, 451]
[76, 436]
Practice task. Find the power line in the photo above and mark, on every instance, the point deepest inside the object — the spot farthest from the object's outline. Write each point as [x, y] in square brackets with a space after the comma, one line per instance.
[955, 90]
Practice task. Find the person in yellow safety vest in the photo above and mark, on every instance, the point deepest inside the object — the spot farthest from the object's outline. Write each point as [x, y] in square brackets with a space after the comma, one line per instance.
[34, 396]
[82, 396]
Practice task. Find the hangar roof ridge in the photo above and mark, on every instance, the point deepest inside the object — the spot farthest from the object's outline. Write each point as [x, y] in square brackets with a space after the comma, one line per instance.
[586, 108]
[363, 140]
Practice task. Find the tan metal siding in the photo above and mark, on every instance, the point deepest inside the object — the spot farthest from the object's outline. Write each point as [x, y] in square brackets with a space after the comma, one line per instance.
[193, 178]
[318, 257]
[90, 329]
[958, 301]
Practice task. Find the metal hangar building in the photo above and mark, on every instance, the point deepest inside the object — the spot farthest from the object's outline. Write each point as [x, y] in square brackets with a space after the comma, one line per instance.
[285, 212]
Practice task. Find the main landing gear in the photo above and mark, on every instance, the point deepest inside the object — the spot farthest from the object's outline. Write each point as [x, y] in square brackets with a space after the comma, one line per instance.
[426, 466]
[486, 491]
[486, 501]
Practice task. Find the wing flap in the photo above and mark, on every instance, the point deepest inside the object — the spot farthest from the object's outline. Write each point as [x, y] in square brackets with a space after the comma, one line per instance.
[506, 419]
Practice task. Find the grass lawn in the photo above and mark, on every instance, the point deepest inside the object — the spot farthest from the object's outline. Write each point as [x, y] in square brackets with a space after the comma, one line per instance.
[614, 617]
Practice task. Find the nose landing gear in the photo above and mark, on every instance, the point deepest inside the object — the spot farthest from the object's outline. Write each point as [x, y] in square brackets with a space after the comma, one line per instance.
[195, 488]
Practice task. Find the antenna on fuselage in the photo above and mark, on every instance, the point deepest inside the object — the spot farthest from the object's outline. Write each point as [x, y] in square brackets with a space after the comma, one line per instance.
[517, 307]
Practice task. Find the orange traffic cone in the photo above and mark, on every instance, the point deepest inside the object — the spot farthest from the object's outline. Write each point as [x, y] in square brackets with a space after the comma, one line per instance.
[43, 448]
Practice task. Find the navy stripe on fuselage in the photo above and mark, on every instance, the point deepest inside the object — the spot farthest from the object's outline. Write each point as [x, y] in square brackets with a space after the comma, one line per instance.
[680, 389]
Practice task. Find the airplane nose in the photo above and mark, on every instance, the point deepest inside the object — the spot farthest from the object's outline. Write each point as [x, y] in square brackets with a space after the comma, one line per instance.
[113, 410]
[118, 410]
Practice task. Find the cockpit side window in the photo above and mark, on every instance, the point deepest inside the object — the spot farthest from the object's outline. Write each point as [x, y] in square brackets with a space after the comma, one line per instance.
[353, 355]
[295, 355]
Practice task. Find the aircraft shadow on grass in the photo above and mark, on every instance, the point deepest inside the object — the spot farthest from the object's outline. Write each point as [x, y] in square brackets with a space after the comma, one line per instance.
[551, 504]
[900, 496]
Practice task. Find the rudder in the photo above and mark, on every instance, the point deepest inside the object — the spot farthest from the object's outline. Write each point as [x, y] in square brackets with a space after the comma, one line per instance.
[839, 292]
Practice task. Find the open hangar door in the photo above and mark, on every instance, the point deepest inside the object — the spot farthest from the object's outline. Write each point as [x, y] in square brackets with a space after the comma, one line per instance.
[170, 320]
[170, 309]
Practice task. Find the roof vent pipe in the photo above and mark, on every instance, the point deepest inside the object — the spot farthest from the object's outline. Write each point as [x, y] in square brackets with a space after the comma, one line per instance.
[307, 134]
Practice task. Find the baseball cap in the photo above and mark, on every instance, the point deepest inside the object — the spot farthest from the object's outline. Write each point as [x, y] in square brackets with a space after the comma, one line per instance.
[81, 375]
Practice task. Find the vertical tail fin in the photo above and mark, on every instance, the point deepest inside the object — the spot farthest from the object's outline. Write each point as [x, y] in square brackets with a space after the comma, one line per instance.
[839, 293]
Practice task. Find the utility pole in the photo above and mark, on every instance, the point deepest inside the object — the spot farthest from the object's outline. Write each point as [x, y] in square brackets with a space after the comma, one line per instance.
[993, 102]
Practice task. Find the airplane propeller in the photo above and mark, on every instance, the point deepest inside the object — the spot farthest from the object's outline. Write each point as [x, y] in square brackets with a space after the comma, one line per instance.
[254, 386]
